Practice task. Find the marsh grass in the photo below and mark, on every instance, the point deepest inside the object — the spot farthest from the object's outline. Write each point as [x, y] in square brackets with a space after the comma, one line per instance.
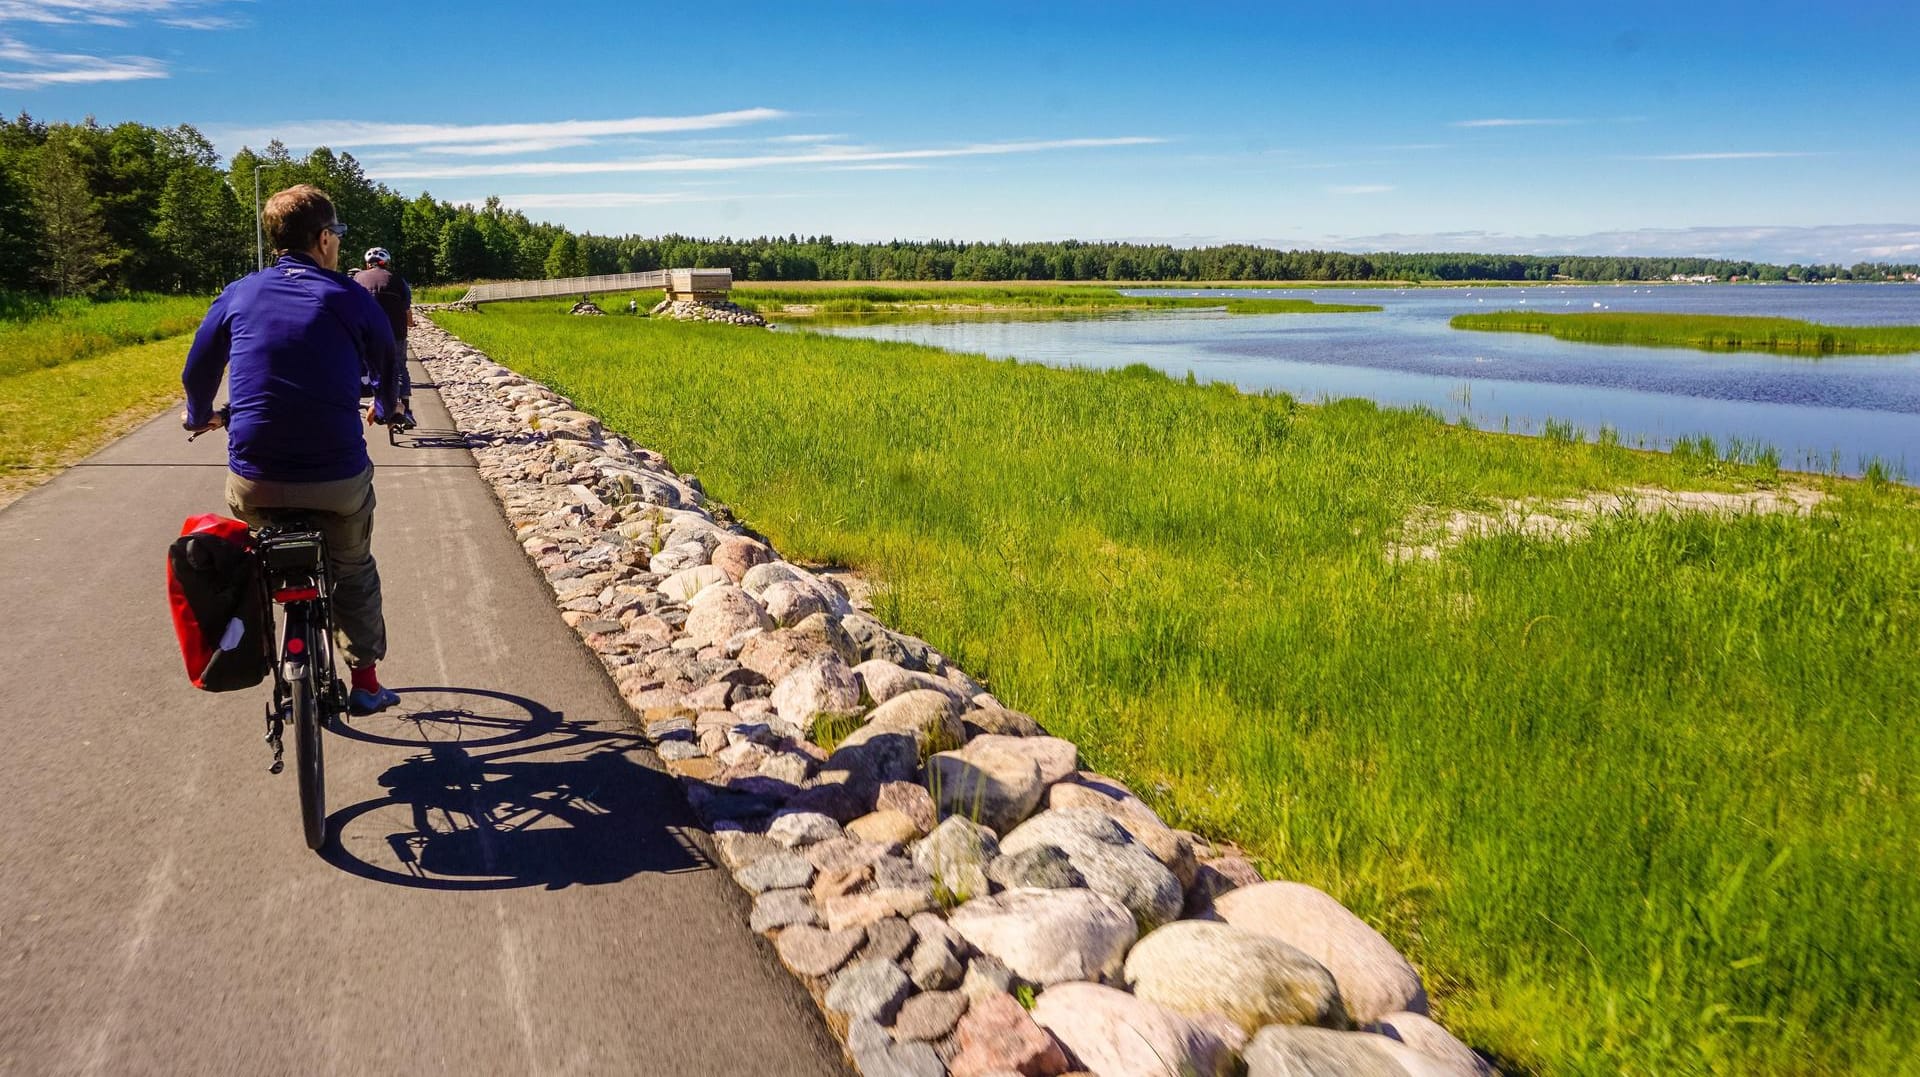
[830, 303]
[1706, 332]
[53, 416]
[1642, 802]
[37, 335]
[75, 372]
[440, 293]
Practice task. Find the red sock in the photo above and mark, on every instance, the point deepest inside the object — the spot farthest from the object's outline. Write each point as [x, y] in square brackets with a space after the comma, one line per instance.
[365, 679]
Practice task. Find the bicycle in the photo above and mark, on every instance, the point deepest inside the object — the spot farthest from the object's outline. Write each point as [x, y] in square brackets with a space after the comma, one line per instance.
[308, 694]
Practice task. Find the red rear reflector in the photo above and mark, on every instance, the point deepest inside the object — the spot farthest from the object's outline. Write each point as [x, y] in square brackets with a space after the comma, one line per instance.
[296, 594]
[296, 645]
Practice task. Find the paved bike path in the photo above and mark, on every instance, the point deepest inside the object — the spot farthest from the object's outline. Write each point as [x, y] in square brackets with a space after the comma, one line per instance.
[159, 912]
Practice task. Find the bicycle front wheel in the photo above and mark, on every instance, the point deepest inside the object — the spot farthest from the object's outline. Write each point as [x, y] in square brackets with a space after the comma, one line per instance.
[307, 755]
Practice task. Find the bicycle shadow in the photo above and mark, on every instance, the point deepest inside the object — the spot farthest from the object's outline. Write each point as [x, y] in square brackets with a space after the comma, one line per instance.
[492, 800]
[423, 437]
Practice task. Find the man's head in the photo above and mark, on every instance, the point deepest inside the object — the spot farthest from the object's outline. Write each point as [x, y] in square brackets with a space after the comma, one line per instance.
[301, 220]
[378, 258]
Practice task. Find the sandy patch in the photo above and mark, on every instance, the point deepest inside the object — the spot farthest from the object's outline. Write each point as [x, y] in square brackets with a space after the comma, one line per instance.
[1429, 533]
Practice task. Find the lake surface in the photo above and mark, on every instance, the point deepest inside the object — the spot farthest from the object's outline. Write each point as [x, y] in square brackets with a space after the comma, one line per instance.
[1830, 414]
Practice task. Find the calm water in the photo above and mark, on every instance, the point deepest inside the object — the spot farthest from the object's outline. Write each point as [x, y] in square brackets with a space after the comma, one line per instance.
[1820, 414]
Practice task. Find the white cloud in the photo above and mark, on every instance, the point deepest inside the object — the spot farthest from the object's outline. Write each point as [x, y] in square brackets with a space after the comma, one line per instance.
[805, 138]
[728, 164]
[1842, 243]
[1510, 122]
[31, 68]
[349, 133]
[501, 149]
[109, 12]
[200, 22]
[1361, 188]
[610, 199]
[1738, 155]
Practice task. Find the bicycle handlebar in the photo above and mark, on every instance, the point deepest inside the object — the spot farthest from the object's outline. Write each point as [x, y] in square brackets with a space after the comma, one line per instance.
[219, 420]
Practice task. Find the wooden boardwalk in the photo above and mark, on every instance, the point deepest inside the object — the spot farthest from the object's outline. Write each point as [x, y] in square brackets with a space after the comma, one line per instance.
[702, 284]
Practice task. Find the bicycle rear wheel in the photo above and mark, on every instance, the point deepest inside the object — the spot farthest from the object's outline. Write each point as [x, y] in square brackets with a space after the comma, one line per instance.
[308, 712]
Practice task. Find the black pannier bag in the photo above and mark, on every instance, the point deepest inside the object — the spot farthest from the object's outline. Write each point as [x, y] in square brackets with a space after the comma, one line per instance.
[219, 616]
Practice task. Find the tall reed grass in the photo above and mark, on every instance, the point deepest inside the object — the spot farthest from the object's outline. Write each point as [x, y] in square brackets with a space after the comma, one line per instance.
[36, 335]
[1707, 332]
[1638, 803]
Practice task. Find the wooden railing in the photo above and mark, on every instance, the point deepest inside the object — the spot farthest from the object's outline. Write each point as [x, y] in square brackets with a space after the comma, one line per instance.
[677, 283]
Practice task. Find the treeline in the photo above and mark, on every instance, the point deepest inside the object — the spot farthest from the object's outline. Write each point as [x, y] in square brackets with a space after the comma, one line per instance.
[86, 208]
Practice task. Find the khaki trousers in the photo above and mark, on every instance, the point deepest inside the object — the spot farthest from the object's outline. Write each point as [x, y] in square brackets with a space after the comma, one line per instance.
[344, 511]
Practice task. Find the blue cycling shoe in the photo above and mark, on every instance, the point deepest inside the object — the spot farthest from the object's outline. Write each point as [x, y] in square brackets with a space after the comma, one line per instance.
[361, 702]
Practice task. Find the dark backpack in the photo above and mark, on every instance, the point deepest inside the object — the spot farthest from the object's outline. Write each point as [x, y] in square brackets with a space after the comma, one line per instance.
[219, 615]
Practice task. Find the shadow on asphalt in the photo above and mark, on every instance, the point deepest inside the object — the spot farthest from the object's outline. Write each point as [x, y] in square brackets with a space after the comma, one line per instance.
[502, 792]
[424, 437]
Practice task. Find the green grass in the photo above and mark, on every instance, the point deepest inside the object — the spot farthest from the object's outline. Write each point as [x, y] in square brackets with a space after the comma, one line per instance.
[830, 302]
[74, 372]
[52, 416]
[440, 293]
[36, 335]
[1642, 803]
[1708, 332]
[827, 303]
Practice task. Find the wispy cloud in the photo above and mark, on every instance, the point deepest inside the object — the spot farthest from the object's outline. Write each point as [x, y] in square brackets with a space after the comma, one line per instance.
[1514, 122]
[504, 149]
[1360, 188]
[178, 13]
[1843, 243]
[350, 133]
[612, 199]
[806, 138]
[30, 68]
[728, 164]
[1734, 155]
[201, 22]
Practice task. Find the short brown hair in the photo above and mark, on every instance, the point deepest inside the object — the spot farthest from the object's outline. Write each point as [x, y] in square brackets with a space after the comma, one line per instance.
[294, 217]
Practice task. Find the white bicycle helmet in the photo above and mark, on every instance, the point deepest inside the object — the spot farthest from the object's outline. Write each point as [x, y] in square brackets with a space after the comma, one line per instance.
[377, 256]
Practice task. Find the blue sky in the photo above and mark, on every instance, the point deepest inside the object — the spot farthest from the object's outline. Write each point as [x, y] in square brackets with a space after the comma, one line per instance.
[1787, 132]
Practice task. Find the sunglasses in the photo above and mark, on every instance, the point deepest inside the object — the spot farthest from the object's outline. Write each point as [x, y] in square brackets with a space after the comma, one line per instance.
[336, 228]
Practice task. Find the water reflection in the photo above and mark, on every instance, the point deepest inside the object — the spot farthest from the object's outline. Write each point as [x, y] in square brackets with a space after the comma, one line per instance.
[1820, 414]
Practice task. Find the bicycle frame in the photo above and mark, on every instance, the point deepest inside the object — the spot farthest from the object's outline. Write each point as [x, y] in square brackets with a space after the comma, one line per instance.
[294, 575]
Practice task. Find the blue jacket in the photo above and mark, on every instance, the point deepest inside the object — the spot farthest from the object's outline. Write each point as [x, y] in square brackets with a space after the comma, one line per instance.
[298, 338]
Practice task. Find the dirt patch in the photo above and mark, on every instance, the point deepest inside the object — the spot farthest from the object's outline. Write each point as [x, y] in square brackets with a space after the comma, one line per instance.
[1429, 533]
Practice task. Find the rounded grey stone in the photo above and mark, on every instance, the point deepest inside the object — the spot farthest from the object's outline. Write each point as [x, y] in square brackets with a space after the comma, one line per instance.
[873, 988]
[934, 966]
[1043, 866]
[815, 951]
[782, 908]
[783, 870]
[929, 1016]
[888, 938]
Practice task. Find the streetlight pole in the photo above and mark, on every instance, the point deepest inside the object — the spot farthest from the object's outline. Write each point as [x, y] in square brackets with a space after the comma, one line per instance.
[259, 229]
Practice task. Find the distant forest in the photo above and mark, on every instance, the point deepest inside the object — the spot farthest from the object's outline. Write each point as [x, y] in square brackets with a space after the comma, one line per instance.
[88, 209]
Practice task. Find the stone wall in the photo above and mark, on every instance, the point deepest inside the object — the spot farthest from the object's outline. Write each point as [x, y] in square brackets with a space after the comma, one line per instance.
[960, 894]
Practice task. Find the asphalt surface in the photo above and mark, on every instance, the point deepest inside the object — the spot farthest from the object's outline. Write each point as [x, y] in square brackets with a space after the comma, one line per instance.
[517, 887]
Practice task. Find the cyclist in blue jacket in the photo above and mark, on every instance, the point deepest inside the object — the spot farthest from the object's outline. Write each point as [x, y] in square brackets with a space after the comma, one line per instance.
[293, 340]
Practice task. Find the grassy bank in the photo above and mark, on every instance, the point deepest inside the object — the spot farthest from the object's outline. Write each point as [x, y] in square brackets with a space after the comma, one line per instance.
[74, 373]
[1638, 803]
[39, 334]
[1707, 332]
[53, 416]
[894, 301]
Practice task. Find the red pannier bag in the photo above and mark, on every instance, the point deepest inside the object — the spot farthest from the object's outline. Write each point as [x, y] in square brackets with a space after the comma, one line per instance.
[219, 616]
